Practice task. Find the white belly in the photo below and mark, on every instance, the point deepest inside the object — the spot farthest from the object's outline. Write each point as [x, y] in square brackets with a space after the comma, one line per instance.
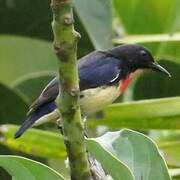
[95, 99]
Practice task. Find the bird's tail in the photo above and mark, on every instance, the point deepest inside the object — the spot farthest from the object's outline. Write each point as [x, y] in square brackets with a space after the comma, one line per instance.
[25, 125]
[34, 116]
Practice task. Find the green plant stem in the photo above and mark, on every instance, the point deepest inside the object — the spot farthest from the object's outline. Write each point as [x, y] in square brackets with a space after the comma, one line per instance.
[65, 46]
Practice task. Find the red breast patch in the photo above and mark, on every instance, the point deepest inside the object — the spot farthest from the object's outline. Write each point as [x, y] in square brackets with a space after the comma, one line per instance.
[124, 84]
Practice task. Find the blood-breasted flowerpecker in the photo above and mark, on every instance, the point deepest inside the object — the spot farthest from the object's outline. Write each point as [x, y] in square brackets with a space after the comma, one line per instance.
[103, 76]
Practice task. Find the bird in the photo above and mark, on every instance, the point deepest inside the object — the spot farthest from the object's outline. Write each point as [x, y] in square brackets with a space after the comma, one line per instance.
[103, 77]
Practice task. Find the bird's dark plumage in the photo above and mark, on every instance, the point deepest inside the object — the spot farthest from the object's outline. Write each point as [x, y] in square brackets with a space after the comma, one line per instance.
[97, 69]
[34, 115]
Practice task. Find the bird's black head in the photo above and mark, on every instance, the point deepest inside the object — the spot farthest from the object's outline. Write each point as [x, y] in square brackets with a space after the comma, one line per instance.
[137, 57]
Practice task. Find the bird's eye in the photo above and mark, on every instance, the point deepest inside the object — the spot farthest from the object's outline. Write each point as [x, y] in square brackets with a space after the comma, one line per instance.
[143, 53]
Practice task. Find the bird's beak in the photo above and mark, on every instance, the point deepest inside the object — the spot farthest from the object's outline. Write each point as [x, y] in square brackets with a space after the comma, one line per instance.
[156, 67]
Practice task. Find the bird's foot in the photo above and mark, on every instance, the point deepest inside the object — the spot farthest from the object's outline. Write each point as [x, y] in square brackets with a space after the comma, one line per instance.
[59, 125]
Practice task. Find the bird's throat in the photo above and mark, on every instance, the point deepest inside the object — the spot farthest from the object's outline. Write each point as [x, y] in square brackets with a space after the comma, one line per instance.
[124, 84]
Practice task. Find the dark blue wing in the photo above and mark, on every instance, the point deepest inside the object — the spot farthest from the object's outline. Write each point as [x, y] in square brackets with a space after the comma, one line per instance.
[98, 69]
[49, 94]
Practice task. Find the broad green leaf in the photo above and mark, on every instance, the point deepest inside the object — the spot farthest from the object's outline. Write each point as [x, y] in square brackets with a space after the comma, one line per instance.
[171, 152]
[21, 56]
[21, 18]
[96, 16]
[176, 178]
[148, 114]
[169, 52]
[32, 85]
[34, 27]
[85, 45]
[155, 85]
[13, 106]
[34, 142]
[173, 25]
[21, 168]
[175, 173]
[110, 163]
[60, 165]
[169, 143]
[4, 151]
[51, 144]
[135, 150]
[145, 17]
[147, 38]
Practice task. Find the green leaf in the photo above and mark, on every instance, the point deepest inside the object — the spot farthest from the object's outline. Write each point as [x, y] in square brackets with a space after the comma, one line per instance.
[85, 45]
[13, 106]
[145, 17]
[59, 165]
[32, 85]
[124, 143]
[147, 38]
[169, 143]
[25, 169]
[34, 142]
[28, 25]
[133, 149]
[173, 25]
[28, 56]
[96, 16]
[110, 163]
[171, 152]
[148, 114]
[34, 27]
[175, 173]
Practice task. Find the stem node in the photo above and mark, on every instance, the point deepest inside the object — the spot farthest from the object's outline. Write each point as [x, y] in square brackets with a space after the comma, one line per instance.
[65, 47]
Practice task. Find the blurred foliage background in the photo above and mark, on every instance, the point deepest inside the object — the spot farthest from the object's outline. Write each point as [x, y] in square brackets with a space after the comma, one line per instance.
[27, 63]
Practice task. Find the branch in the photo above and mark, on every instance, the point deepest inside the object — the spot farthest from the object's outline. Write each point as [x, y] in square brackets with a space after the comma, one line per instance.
[65, 46]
